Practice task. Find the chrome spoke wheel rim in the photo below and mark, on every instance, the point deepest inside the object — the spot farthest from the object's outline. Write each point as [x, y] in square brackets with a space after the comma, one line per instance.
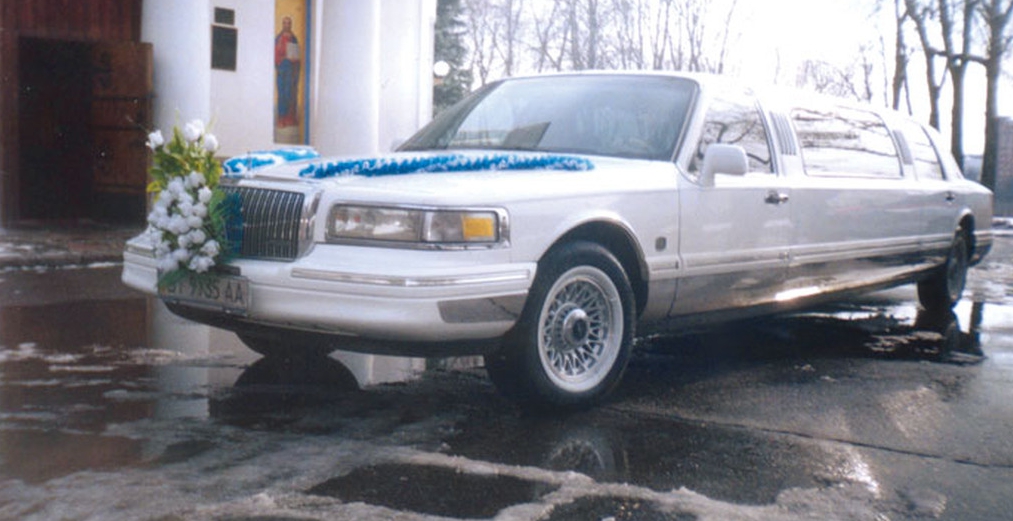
[580, 329]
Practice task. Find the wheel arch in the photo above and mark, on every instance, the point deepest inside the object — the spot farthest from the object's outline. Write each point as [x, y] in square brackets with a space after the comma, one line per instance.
[966, 225]
[621, 242]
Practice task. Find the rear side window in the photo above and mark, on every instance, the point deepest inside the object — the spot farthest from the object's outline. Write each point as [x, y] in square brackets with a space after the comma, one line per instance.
[845, 142]
[923, 154]
[735, 122]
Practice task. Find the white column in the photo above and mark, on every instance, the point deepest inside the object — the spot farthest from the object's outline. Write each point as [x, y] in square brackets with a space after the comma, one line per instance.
[427, 15]
[180, 34]
[346, 113]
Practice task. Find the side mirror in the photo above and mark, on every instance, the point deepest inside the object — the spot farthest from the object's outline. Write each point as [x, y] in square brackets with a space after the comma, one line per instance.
[723, 159]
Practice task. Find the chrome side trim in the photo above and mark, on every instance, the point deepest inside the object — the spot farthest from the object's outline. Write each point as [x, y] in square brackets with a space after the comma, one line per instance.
[734, 260]
[410, 282]
[830, 252]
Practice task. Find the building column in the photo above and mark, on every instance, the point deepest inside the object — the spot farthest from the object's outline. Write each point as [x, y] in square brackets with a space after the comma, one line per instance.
[180, 34]
[346, 111]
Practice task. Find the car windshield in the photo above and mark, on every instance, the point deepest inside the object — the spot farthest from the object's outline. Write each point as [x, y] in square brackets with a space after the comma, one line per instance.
[625, 116]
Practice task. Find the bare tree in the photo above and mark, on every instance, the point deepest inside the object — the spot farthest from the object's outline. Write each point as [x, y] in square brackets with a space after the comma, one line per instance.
[957, 60]
[481, 27]
[509, 13]
[551, 38]
[630, 19]
[997, 16]
[697, 25]
[902, 56]
[923, 14]
[586, 21]
[662, 35]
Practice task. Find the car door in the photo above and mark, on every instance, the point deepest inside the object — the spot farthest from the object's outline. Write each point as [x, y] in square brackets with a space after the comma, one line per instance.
[735, 230]
[858, 219]
[940, 204]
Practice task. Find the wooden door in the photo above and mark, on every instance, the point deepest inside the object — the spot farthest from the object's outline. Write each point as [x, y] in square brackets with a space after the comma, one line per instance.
[120, 119]
[54, 142]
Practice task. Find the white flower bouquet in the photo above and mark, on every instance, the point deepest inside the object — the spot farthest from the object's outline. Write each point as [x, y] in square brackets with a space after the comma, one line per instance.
[188, 215]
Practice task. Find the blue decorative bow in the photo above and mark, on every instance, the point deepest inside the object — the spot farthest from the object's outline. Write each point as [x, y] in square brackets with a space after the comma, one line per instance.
[444, 163]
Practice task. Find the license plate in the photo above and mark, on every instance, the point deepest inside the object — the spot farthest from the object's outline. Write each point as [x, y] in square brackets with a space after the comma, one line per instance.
[226, 293]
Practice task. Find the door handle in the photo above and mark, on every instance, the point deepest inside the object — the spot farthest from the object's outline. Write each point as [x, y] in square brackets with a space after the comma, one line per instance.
[950, 197]
[775, 197]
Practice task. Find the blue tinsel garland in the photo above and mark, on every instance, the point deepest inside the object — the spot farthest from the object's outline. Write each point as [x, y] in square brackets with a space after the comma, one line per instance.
[444, 163]
[253, 160]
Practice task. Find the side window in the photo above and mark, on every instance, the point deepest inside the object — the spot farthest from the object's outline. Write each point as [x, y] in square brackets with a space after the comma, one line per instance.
[923, 154]
[845, 142]
[735, 123]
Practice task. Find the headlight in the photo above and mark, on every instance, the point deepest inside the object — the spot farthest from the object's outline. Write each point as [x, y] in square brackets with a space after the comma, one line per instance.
[419, 226]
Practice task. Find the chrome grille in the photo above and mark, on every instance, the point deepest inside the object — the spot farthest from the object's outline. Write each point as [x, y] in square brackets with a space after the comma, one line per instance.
[267, 223]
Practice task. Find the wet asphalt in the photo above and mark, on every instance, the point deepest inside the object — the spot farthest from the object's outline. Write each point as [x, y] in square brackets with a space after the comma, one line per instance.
[112, 408]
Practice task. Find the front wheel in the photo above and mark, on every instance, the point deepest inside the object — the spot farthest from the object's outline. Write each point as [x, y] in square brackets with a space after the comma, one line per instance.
[573, 341]
[944, 288]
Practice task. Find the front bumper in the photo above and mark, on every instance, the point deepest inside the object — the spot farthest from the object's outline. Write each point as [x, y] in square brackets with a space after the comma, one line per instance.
[374, 300]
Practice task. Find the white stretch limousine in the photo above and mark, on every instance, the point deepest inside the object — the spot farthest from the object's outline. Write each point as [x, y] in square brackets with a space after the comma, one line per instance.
[544, 221]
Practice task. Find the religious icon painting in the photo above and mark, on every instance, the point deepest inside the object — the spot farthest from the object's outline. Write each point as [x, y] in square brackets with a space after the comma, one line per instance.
[291, 71]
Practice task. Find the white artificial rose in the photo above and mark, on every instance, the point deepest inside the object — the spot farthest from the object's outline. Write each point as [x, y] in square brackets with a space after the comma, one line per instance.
[194, 222]
[200, 263]
[210, 248]
[197, 237]
[155, 139]
[204, 195]
[186, 208]
[178, 225]
[195, 180]
[176, 186]
[184, 240]
[181, 254]
[193, 130]
[200, 210]
[210, 143]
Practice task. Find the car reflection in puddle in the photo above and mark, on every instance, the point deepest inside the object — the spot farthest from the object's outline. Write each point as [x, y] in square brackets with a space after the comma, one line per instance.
[876, 329]
[276, 391]
[870, 331]
[670, 426]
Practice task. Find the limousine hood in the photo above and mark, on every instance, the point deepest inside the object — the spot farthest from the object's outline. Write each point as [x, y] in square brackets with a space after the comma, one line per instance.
[475, 179]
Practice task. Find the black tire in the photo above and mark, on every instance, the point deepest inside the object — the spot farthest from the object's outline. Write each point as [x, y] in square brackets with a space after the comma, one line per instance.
[573, 341]
[943, 289]
[271, 346]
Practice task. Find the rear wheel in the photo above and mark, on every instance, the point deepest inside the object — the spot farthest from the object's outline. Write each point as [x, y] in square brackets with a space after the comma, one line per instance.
[944, 288]
[573, 341]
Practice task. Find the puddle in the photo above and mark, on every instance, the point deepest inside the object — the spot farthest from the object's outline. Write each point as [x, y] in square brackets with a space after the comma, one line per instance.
[431, 490]
[724, 464]
[614, 509]
[36, 457]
